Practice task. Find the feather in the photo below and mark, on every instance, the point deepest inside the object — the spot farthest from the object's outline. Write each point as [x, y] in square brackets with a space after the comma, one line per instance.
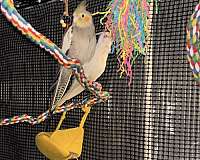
[81, 7]
[64, 74]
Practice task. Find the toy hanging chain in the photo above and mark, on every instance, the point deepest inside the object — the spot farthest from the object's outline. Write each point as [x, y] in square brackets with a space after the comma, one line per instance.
[8, 9]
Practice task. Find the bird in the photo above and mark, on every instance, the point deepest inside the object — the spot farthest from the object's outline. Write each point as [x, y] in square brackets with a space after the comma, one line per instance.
[92, 69]
[78, 42]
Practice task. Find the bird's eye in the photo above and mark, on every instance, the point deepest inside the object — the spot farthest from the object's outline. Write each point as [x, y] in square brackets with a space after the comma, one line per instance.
[82, 15]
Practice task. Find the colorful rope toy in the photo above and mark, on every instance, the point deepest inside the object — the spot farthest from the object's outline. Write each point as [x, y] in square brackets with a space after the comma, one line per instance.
[128, 23]
[193, 43]
[10, 12]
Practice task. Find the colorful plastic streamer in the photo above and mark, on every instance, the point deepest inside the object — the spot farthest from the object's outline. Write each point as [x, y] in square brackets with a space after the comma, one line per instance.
[193, 43]
[127, 20]
[8, 9]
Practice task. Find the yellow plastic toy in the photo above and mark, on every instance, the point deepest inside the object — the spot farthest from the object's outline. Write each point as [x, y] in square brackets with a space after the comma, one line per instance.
[62, 144]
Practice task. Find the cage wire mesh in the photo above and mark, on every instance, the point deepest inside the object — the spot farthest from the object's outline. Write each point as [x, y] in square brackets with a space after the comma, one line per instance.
[156, 118]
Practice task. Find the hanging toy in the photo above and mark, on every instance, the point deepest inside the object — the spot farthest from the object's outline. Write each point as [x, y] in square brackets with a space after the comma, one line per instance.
[66, 19]
[63, 144]
[127, 20]
[193, 41]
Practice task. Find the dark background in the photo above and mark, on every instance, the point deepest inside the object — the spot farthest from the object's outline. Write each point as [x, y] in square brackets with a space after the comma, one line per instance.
[123, 128]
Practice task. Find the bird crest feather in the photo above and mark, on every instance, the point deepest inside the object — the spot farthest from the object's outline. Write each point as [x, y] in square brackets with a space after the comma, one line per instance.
[81, 7]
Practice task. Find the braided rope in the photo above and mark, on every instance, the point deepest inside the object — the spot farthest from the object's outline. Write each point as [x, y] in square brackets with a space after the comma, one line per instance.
[10, 12]
[42, 117]
[193, 43]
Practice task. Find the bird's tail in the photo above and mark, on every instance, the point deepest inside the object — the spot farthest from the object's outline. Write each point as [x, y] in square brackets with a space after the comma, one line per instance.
[73, 91]
[61, 87]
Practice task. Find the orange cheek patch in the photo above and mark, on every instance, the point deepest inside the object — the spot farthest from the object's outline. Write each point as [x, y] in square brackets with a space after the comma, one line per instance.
[86, 18]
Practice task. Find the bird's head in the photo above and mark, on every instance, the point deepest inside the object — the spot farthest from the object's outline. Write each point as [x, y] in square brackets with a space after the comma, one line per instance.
[81, 17]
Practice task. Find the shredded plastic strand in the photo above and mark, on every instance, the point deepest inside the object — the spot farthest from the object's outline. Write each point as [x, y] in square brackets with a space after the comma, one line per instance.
[127, 20]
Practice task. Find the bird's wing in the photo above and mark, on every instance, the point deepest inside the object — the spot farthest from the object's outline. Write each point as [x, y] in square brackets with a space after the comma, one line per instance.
[63, 81]
[67, 40]
[92, 46]
[83, 44]
[64, 74]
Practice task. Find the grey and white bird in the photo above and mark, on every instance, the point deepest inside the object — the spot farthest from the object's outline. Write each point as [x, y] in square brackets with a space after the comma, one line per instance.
[78, 42]
[92, 69]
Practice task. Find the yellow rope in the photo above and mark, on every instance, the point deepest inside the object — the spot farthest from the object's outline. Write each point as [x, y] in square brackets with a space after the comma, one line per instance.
[61, 120]
[86, 109]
